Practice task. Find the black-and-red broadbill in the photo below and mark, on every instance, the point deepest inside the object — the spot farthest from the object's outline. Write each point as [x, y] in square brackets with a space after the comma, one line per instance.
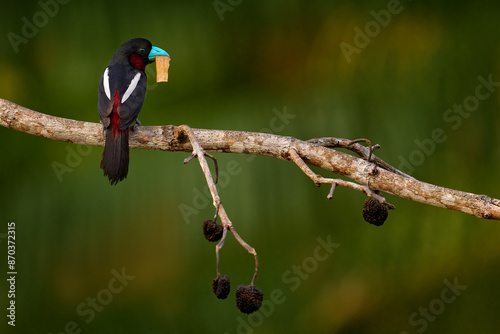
[121, 93]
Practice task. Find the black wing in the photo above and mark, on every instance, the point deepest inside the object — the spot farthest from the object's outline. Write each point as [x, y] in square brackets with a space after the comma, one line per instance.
[131, 86]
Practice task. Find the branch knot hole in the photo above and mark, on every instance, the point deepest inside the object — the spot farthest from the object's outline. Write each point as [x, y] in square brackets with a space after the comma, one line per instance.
[181, 135]
[374, 171]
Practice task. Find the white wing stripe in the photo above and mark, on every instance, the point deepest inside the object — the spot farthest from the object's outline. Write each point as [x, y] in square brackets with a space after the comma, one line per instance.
[106, 84]
[131, 87]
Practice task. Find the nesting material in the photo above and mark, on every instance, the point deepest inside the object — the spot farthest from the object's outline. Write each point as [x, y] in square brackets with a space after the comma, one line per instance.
[162, 65]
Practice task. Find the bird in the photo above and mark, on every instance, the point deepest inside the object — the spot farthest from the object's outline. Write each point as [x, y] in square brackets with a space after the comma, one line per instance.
[122, 90]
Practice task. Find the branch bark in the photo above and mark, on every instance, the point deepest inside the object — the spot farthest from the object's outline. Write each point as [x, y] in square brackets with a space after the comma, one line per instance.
[374, 174]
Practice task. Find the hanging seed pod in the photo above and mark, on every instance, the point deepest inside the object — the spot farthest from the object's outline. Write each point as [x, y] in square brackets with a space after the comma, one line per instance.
[374, 212]
[212, 231]
[248, 298]
[221, 286]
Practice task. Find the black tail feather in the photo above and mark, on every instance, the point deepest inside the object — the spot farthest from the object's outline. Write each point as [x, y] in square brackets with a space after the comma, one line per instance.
[115, 156]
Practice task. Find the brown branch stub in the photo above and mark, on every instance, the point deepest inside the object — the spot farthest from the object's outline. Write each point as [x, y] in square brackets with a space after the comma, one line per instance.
[318, 152]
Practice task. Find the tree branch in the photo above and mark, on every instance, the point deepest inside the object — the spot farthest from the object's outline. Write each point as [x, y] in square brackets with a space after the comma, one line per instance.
[374, 174]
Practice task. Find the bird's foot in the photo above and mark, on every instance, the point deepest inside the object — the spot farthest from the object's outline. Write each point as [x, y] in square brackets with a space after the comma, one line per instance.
[136, 125]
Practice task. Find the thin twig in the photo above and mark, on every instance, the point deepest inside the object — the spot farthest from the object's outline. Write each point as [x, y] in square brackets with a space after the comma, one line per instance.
[226, 223]
[199, 153]
[370, 147]
[216, 213]
[364, 152]
[332, 189]
[216, 167]
[249, 249]
[218, 248]
[188, 159]
[318, 179]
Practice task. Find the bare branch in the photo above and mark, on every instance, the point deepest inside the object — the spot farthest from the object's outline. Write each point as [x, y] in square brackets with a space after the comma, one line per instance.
[376, 174]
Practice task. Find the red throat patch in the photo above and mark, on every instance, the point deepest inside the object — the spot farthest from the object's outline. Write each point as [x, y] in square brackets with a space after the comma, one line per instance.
[136, 62]
[115, 118]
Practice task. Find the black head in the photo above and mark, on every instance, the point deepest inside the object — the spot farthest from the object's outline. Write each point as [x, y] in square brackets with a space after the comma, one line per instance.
[134, 52]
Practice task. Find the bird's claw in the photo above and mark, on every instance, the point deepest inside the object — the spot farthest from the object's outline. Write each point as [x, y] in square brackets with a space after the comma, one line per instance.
[136, 125]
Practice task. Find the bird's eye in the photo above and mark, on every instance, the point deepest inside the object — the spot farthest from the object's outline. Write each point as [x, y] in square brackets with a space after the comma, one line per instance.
[142, 51]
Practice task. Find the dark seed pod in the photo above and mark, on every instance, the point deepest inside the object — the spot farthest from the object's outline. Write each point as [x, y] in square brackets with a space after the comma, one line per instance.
[248, 298]
[221, 286]
[212, 231]
[374, 212]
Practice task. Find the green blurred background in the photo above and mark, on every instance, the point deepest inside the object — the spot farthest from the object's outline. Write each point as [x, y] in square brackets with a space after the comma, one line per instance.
[235, 67]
